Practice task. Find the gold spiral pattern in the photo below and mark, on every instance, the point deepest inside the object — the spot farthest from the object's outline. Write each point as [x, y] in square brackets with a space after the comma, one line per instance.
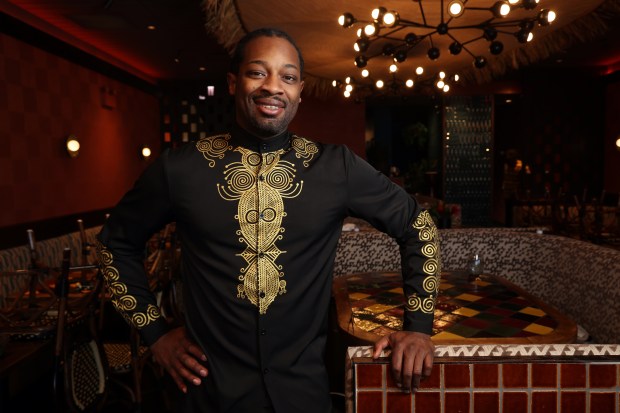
[124, 303]
[430, 284]
[431, 266]
[260, 211]
[427, 233]
[413, 303]
[304, 149]
[214, 147]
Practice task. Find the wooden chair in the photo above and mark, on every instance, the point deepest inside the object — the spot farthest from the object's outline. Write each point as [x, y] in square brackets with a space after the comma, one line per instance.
[80, 369]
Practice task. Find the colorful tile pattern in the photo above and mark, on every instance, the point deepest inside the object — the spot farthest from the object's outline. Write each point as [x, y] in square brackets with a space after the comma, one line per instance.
[481, 308]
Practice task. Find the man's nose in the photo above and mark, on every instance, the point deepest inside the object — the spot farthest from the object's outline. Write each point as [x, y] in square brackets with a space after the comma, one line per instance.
[273, 84]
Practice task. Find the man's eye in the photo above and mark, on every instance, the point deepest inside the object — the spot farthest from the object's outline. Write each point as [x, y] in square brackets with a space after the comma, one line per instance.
[256, 74]
[290, 78]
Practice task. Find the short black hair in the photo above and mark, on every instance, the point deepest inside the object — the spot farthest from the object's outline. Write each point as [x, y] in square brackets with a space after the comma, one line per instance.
[239, 52]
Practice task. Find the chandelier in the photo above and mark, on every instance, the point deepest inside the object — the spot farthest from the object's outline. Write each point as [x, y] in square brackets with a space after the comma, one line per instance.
[461, 27]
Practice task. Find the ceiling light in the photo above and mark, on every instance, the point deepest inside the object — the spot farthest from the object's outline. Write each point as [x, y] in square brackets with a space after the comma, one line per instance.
[346, 20]
[419, 70]
[456, 8]
[365, 73]
[379, 84]
[377, 14]
[500, 9]
[409, 83]
[546, 17]
[393, 68]
[151, 27]
[391, 18]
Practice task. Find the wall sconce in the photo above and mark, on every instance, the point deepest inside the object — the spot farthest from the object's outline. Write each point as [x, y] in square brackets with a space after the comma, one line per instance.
[73, 146]
[145, 152]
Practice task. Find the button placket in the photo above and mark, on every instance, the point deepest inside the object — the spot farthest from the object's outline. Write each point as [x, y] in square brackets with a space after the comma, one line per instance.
[260, 228]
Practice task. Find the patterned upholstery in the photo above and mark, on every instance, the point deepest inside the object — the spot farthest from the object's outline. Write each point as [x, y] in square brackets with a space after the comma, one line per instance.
[48, 250]
[86, 375]
[579, 278]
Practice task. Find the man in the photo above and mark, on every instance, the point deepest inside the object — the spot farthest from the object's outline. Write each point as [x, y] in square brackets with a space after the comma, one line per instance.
[259, 213]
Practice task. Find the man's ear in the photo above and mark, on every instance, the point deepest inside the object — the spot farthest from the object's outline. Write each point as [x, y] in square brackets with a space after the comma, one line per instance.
[231, 78]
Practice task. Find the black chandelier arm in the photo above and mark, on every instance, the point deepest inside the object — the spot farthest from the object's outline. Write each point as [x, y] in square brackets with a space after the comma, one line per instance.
[422, 12]
[409, 23]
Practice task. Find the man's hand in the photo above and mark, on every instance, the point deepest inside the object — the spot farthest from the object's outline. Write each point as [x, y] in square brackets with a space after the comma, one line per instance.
[412, 357]
[179, 356]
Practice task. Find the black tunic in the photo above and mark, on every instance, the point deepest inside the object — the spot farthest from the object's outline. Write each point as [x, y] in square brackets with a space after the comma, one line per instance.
[259, 222]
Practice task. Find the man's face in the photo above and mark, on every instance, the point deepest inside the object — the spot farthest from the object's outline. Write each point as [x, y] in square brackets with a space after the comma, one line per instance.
[268, 86]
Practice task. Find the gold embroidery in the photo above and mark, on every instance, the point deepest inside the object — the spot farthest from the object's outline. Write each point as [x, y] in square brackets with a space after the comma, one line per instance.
[432, 266]
[260, 183]
[124, 303]
[304, 149]
[213, 147]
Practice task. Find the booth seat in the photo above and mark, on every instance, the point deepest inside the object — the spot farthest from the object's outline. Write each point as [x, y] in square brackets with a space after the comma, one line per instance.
[49, 251]
[49, 254]
[579, 278]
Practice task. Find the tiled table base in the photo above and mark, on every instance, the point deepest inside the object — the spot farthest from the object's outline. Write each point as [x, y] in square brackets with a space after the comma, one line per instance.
[490, 379]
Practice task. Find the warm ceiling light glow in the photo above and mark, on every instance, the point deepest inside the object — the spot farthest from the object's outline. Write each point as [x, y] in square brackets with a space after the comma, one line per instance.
[456, 78]
[409, 83]
[334, 83]
[440, 84]
[500, 9]
[419, 70]
[365, 73]
[346, 20]
[546, 17]
[379, 83]
[442, 75]
[513, 2]
[73, 146]
[618, 143]
[393, 68]
[446, 88]
[347, 80]
[530, 36]
[151, 27]
[347, 94]
[202, 68]
[390, 19]
[356, 47]
[455, 8]
[378, 13]
[349, 88]
[370, 29]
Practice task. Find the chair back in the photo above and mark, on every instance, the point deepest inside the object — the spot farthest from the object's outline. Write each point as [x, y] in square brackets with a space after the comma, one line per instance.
[80, 367]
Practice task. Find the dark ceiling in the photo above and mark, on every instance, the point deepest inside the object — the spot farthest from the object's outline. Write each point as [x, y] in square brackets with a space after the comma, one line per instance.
[179, 46]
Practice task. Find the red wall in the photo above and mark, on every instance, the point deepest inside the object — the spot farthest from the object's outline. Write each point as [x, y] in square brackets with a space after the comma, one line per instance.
[333, 120]
[44, 99]
[612, 133]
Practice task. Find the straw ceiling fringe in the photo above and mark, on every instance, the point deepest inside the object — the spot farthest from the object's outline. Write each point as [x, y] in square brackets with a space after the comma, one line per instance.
[222, 21]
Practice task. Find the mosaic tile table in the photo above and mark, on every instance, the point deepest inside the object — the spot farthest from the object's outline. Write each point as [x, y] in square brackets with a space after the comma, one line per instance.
[486, 310]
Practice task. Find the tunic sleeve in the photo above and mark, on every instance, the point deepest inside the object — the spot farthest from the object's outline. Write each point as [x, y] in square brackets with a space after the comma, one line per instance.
[389, 208]
[122, 245]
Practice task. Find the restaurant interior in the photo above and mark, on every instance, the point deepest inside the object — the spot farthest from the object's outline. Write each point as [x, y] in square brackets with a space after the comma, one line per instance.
[500, 117]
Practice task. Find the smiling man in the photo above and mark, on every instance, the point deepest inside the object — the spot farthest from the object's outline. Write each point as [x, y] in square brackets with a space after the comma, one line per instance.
[259, 212]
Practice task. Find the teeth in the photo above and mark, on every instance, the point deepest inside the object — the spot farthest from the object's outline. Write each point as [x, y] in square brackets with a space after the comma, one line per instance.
[270, 107]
